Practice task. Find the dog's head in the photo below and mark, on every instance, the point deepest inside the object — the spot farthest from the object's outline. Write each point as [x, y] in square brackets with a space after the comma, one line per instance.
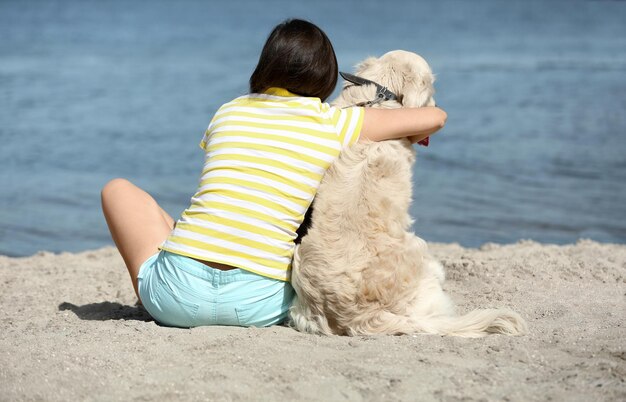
[404, 73]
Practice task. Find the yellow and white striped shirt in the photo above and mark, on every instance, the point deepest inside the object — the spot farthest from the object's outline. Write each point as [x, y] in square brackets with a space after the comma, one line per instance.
[265, 157]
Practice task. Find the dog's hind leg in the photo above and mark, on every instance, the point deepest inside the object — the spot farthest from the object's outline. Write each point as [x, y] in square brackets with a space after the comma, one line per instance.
[302, 319]
[435, 268]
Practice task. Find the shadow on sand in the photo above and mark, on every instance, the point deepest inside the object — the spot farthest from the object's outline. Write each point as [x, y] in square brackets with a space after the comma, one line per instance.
[107, 311]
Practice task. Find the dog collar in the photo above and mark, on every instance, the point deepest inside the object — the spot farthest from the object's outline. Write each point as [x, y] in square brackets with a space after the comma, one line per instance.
[382, 93]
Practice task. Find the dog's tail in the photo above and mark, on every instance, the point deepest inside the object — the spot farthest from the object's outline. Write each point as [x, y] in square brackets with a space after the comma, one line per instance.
[475, 324]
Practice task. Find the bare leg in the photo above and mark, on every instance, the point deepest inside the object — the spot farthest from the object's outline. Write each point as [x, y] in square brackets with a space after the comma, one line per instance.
[137, 223]
[168, 219]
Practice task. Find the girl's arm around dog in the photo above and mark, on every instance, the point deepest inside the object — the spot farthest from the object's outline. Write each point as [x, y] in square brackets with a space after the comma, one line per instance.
[415, 123]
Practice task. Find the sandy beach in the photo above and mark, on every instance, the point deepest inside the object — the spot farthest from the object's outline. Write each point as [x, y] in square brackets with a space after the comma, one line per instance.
[70, 330]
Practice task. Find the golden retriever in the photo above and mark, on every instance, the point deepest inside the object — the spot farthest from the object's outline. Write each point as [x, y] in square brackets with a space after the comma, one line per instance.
[358, 271]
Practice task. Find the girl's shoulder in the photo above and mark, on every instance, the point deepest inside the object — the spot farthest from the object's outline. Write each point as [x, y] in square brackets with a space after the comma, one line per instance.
[305, 107]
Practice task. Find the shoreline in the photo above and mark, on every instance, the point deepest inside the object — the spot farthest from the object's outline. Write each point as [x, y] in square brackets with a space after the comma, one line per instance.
[482, 246]
[69, 329]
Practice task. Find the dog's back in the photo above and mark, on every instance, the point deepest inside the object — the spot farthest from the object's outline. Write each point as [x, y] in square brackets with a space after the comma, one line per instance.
[358, 270]
[347, 267]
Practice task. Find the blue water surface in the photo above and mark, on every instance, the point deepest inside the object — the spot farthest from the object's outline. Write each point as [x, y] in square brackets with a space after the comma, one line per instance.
[535, 93]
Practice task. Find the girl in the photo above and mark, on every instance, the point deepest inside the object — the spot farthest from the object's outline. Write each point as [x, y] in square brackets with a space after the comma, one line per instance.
[226, 261]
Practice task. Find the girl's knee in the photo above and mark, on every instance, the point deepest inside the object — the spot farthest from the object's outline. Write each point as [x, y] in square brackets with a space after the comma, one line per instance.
[121, 193]
[115, 187]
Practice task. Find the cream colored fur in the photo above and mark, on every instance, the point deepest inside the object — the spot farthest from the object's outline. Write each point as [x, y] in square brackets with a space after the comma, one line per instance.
[358, 270]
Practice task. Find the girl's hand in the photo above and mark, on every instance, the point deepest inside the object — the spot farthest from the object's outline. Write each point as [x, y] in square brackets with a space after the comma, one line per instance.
[415, 140]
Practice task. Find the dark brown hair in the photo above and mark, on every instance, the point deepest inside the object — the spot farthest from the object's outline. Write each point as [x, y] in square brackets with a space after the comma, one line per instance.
[298, 57]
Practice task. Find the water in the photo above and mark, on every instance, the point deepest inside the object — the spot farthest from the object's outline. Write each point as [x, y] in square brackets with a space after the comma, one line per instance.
[535, 94]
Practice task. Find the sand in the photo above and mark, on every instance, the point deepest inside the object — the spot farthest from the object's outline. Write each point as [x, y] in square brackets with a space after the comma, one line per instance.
[70, 330]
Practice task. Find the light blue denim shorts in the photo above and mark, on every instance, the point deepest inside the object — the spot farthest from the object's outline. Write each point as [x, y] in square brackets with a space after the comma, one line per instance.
[179, 291]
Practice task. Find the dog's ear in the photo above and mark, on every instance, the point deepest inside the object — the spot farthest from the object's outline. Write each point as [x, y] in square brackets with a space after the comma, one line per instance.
[417, 89]
[366, 64]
